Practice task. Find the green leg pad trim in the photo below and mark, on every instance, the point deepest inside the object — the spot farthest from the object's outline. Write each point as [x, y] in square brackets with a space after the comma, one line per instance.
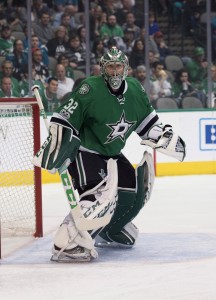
[129, 204]
[127, 208]
[125, 212]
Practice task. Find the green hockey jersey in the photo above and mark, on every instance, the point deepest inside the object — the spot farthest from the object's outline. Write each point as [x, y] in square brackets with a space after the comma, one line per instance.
[104, 121]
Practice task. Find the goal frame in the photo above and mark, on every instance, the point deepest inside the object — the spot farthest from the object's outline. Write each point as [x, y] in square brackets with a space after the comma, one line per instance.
[37, 171]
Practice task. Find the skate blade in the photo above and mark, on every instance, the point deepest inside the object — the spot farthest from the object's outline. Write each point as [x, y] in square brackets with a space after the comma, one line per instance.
[68, 259]
[112, 245]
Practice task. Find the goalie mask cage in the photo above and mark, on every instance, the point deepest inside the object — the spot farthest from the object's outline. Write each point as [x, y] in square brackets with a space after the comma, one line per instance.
[20, 181]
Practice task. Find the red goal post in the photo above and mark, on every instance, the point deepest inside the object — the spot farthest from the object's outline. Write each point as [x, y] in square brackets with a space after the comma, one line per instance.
[20, 181]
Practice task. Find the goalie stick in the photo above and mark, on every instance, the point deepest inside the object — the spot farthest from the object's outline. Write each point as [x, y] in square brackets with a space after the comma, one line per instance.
[81, 222]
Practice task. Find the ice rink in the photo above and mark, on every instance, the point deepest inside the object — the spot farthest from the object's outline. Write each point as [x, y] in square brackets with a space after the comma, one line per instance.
[174, 257]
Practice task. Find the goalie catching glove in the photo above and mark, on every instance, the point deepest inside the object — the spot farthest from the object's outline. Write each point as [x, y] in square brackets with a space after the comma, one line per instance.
[60, 147]
[164, 140]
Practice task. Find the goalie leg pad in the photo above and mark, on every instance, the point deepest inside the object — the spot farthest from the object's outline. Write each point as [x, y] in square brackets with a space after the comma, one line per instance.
[68, 239]
[145, 176]
[104, 197]
[72, 245]
[128, 206]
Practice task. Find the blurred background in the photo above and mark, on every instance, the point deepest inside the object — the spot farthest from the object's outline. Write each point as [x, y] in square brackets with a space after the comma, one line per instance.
[171, 46]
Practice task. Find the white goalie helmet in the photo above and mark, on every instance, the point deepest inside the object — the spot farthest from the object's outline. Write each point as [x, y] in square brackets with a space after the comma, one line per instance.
[116, 59]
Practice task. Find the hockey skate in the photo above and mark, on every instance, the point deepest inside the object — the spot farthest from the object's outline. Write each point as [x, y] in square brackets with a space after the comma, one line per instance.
[126, 238]
[103, 241]
[77, 254]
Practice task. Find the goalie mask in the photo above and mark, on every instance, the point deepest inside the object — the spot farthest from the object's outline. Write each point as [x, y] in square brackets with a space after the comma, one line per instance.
[114, 67]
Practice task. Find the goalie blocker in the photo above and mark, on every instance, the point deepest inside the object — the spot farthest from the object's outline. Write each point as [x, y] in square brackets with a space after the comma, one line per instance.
[60, 147]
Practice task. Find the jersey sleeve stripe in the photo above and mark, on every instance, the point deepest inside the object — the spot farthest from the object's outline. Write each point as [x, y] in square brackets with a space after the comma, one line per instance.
[147, 123]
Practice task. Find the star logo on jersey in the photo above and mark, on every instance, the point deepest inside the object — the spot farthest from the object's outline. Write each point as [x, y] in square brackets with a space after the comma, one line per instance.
[119, 129]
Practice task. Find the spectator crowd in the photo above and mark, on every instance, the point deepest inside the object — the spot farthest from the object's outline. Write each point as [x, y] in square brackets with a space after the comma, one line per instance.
[58, 48]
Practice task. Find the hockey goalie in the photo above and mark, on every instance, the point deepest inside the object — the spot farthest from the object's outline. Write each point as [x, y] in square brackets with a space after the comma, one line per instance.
[86, 136]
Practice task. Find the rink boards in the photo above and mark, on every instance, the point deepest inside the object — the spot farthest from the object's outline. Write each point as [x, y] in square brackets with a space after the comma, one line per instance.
[197, 128]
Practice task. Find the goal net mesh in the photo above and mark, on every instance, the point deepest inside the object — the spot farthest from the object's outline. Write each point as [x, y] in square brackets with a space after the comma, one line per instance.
[17, 189]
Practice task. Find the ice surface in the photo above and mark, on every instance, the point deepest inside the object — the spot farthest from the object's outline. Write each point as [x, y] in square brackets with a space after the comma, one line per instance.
[174, 257]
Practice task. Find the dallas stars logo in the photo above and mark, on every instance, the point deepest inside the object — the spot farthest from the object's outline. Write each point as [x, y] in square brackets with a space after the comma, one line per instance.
[119, 129]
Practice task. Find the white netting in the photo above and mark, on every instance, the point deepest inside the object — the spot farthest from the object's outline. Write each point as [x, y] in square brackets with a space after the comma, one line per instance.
[17, 192]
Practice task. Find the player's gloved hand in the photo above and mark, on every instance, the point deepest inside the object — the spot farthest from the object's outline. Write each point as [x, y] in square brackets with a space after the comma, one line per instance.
[161, 140]
[168, 143]
[59, 149]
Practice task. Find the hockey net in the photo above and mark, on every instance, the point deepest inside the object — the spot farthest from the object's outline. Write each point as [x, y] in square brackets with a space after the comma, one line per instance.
[20, 181]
